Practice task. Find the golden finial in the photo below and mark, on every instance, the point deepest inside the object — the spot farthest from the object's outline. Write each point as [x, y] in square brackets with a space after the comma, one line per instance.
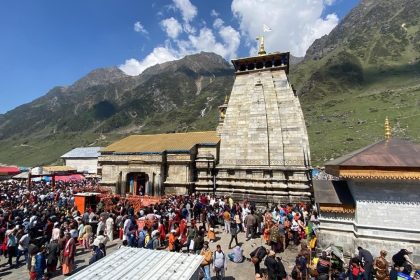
[261, 50]
[387, 129]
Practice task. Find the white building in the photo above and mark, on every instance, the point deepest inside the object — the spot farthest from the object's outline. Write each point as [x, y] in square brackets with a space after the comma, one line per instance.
[84, 159]
[376, 205]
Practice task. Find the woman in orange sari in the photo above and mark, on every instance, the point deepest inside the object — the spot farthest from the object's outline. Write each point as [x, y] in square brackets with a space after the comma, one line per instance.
[68, 255]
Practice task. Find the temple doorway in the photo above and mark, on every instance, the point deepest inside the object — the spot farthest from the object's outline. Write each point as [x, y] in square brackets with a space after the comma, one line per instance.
[138, 184]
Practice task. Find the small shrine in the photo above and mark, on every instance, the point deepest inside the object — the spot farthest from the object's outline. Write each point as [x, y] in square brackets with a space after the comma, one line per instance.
[376, 202]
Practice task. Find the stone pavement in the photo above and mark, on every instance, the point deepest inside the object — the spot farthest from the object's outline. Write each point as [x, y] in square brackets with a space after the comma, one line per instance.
[234, 271]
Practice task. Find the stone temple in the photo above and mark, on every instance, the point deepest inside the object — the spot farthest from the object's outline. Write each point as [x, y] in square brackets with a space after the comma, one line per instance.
[261, 152]
[264, 148]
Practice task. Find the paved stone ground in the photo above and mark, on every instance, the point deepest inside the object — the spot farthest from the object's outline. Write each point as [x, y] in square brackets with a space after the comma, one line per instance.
[244, 270]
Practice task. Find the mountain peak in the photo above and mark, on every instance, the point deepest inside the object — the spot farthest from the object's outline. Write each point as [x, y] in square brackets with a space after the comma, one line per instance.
[98, 76]
[199, 63]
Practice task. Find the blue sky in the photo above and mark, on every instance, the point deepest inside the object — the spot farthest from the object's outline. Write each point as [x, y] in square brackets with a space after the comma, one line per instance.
[48, 43]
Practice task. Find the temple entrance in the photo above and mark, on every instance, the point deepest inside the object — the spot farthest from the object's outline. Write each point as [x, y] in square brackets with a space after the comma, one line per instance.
[138, 184]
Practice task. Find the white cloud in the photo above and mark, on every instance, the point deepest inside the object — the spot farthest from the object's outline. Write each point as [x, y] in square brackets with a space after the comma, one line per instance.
[218, 22]
[138, 27]
[188, 10]
[223, 40]
[206, 41]
[295, 24]
[172, 27]
[189, 28]
[214, 13]
[135, 67]
[329, 2]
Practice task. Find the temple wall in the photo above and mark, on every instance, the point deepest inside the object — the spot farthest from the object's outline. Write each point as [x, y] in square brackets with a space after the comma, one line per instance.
[116, 167]
[386, 218]
[349, 242]
[387, 205]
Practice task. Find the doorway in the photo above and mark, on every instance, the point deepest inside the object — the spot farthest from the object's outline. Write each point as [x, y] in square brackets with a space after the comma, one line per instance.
[138, 184]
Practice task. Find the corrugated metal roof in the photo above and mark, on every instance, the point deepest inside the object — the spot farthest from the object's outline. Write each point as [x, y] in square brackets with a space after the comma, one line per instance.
[158, 143]
[83, 152]
[137, 263]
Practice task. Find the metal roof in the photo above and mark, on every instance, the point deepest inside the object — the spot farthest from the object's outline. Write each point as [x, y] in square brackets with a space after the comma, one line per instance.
[332, 192]
[159, 143]
[83, 152]
[138, 263]
[385, 153]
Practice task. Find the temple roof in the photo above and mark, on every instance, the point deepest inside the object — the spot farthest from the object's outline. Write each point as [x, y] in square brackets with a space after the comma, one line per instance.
[159, 143]
[388, 159]
[386, 153]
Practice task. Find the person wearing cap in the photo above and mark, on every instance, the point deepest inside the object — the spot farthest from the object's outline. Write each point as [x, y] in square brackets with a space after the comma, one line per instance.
[207, 261]
[381, 265]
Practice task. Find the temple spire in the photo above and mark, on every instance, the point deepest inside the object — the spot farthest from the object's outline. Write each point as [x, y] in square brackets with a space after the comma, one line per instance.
[388, 133]
[261, 50]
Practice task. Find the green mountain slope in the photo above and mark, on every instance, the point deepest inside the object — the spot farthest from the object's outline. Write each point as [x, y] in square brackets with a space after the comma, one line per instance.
[367, 68]
[106, 105]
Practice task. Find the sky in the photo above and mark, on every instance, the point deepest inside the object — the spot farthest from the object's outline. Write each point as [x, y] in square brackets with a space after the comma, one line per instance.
[54, 43]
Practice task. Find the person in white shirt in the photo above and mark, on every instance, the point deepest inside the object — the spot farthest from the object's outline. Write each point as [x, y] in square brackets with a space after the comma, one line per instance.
[219, 262]
[23, 245]
[110, 228]
[101, 226]
[127, 225]
[100, 238]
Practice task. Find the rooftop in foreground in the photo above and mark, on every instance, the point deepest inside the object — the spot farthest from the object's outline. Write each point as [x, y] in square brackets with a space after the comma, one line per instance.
[134, 263]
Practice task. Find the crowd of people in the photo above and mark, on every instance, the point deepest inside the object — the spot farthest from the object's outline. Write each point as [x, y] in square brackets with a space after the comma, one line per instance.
[40, 226]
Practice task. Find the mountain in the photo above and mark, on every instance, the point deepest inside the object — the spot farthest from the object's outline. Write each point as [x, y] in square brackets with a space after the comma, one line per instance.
[366, 69]
[107, 104]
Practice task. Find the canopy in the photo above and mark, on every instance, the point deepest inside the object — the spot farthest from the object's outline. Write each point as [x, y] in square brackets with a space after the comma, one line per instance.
[23, 175]
[9, 170]
[69, 178]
